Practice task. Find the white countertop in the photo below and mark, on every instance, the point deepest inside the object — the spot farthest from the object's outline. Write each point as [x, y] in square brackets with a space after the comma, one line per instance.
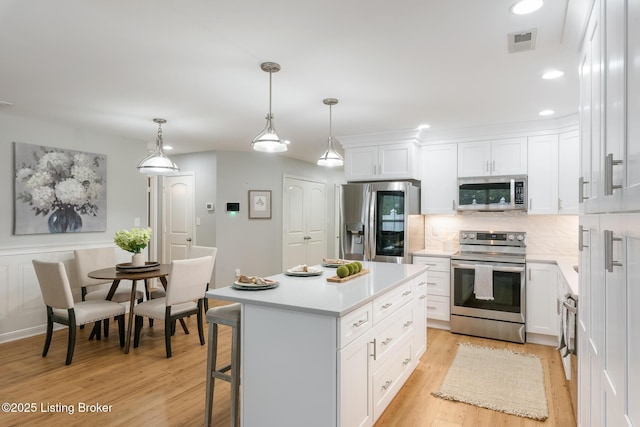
[315, 295]
[434, 252]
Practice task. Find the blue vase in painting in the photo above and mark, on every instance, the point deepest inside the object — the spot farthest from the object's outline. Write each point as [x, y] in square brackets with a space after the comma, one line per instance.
[65, 220]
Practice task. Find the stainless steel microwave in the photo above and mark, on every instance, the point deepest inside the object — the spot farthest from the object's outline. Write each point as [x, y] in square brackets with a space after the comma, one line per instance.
[492, 193]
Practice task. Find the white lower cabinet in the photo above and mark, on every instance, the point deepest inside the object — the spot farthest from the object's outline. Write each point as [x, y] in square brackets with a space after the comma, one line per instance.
[354, 394]
[376, 363]
[438, 289]
[542, 293]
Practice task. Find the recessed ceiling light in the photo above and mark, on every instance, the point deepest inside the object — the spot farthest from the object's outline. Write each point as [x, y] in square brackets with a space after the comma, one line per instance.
[424, 126]
[546, 112]
[526, 6]
[168, 147]
[553, 74]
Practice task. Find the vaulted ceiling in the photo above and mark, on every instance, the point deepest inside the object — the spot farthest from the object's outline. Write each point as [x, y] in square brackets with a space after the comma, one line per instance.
[111, 66]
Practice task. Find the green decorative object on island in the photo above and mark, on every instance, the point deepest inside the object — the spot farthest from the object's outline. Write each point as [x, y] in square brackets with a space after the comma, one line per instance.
[342, 271]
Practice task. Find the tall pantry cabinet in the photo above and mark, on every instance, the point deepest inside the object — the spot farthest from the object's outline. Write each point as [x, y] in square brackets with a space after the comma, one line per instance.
[608, 319]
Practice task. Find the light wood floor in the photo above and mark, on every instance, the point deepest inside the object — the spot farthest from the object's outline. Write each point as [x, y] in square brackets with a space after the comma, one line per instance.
[145, 388]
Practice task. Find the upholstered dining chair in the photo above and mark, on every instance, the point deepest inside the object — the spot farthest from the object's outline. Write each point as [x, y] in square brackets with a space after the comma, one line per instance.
[185, 285]
[56, 293]
[194, 252]
[91, 259]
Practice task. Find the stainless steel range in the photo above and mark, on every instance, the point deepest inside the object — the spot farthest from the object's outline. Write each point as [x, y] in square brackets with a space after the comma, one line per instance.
[488, 285]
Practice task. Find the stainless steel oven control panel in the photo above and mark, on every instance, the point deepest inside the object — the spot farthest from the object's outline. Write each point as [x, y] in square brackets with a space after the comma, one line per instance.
[493, 238]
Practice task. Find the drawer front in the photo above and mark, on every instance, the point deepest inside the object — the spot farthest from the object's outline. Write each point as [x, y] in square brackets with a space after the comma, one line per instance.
[391, 376]
[439, 283]
[438, 307]
[392, 331]
[388, 303]
[434, 263]
[420, 285]
[355, 324]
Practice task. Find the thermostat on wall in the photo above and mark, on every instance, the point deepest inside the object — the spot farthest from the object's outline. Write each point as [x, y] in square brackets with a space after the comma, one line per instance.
[209, 206]
[233, 207]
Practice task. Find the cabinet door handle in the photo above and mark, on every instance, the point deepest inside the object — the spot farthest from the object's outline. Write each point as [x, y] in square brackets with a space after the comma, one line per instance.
[431, 307]
[530, 203]
[359, 323]
[493, 166]
[386, 385]
[453, 205]
[431, 284]
[374, 354]
[422, 283]
[387, 305]
[405, 293]
[581, 183]
[609, 163]
[406, 362]
[609, 262]
[581, 231]
[408, 323]
[529, 273]
[423, 296]
[387, 341]
[487, 166]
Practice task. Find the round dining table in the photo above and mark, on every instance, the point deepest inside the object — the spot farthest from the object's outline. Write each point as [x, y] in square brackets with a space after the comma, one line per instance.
[117, 275]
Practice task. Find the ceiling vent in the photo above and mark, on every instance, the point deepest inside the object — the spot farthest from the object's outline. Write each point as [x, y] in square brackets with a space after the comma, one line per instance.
[523, 40]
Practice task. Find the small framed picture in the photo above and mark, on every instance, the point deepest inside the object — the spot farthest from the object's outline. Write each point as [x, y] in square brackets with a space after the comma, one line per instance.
[259, 204]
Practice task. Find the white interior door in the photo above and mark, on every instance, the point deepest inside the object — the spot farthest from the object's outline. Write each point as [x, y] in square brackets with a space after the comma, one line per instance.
[304, 222]
[177, 216]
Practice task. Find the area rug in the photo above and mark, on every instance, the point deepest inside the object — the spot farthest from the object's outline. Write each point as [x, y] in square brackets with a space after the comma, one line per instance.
[498, 379]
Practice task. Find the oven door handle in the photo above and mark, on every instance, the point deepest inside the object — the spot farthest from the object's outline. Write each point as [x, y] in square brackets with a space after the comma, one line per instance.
[495, 267]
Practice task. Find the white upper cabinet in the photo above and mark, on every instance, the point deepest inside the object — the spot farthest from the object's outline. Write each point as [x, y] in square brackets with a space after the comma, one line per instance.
[439, 170]
[543, 174]
[498, 157]
[609, 107]
[568, 172]
[381, 162]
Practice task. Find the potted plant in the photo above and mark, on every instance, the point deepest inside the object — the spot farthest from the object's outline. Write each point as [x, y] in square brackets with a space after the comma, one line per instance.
[134, 241]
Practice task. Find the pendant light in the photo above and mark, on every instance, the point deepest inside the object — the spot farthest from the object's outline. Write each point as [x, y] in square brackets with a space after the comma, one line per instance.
[157, 163]
[331, 157]
[268, 140]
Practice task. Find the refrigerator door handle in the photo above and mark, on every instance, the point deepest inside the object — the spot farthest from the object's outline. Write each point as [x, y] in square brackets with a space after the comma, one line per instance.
[371, 232]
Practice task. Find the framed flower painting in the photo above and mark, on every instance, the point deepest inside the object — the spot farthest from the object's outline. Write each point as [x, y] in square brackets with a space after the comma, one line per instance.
[59, 191]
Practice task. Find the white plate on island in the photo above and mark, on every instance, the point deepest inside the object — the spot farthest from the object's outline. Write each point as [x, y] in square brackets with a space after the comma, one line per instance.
[311, 271]
[269, 284]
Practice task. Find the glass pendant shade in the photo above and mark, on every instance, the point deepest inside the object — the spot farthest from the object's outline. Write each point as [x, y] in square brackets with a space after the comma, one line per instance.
[157, 163]
[268, 140]
[330, 158]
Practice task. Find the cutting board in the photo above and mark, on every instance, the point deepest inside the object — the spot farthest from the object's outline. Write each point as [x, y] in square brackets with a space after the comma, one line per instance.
[337, 279]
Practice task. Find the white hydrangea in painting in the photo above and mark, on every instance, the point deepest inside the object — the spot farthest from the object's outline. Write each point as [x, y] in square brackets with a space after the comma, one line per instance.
[58, 191]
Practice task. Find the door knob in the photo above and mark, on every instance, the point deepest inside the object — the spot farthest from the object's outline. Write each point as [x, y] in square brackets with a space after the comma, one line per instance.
[188, 239]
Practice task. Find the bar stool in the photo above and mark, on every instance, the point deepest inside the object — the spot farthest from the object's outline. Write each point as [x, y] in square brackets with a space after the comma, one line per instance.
[228, 315]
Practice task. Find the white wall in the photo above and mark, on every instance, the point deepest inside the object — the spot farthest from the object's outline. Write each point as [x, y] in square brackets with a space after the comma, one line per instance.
[22, 311]
[546, 234]
[254, 245]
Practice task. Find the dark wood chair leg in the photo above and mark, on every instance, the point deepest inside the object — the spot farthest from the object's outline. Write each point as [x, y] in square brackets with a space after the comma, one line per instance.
[121, 329]
[47, 340]
[106, 328]
[72, 336]
[138, 328]
[167, 333]
[184, 327]
[97, 329]
[199, 320]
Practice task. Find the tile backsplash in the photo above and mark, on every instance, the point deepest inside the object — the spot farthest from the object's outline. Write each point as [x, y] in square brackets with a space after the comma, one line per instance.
[546, 234]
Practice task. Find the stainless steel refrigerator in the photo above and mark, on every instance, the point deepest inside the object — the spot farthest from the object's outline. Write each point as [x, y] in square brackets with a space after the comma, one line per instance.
[381, 221]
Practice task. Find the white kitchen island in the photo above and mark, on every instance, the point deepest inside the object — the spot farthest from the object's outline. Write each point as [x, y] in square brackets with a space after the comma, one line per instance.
[316, 353]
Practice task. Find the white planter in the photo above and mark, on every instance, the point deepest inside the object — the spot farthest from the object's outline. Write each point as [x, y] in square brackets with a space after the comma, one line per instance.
[137, 260]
